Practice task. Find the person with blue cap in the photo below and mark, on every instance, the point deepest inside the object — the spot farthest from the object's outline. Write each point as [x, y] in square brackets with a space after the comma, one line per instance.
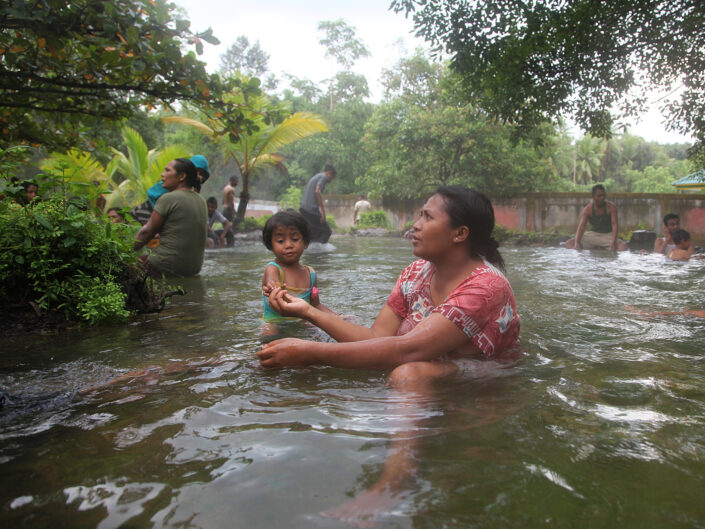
[142, 212]
[201, 164]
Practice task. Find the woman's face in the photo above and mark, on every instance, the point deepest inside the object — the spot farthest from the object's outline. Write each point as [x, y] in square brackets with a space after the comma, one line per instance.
[170, 178]
[432, 232]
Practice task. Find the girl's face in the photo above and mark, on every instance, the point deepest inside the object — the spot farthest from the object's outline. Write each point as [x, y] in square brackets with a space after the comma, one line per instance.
[684, 244]
[432, 232]
[287, 244]
[31, 192]
[114, 217]
[170, 178]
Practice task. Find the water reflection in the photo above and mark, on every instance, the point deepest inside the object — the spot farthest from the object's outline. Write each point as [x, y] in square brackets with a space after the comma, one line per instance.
[601, 423]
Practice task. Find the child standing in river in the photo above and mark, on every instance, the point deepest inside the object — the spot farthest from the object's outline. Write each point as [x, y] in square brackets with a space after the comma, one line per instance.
[286, 234]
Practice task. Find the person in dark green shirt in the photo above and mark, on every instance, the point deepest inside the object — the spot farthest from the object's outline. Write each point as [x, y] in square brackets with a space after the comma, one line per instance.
[601, 216]
[181, 219]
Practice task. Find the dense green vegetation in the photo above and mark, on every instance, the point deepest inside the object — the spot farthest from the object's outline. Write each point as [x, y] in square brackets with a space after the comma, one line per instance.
[55, 254]
[526, 62]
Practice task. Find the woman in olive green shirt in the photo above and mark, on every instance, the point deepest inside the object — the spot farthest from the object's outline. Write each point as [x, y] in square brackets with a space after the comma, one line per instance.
[181, 219]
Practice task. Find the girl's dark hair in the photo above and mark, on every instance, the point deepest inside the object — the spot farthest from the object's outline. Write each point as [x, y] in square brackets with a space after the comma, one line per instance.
[184, 165]
[467, 207]
[680, 235]
[289, 219]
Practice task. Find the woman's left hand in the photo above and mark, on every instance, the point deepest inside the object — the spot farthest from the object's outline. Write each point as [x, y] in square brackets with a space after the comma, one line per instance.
[287, 352]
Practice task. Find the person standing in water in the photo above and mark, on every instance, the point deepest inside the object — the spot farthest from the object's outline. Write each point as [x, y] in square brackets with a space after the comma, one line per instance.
[601, 216]
[229, 198]
[180, 216]
[312, 207]
[452, 313]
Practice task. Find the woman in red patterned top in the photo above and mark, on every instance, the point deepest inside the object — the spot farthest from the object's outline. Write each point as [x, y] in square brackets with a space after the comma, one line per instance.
[452, 304]
[449, 312]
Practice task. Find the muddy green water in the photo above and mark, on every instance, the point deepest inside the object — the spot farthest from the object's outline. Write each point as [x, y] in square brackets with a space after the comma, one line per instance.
[602, 424]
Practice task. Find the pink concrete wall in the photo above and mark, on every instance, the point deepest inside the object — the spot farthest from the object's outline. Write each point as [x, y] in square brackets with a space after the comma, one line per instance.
[508, 216]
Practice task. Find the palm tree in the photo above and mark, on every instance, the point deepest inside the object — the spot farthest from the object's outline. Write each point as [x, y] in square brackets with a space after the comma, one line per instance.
[140, 168]
[587, 159]
[258, 146]
[83, 173]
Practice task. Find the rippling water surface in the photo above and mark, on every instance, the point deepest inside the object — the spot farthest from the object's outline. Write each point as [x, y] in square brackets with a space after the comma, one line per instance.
[602, 424]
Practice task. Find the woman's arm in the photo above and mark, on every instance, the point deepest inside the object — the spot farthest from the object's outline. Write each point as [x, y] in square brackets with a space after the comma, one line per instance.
[149, 230]
[341, 330]
[430, 339]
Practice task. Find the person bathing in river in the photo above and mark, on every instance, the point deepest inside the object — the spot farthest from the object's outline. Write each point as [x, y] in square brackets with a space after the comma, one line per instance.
[181, 218]
[450, 312]
[286, 234]
[683, 246]
[671, 224]
[218, 236]
[601, 215]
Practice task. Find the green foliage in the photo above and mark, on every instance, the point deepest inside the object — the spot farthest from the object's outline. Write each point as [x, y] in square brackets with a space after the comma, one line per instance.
[373, 219]
[529, 61]
[341, 43]
[330, 219]
[98, 299]
[291, 198]
[246, 58]
[426, 136]
[253, 223]
[54, 252]
[140, 169]
[259, 146]
[65, 62]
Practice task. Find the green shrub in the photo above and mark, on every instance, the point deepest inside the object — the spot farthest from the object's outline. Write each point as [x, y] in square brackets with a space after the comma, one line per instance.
[330, 219]
[291, 198]
[254, 223]
[373, 219]
[57, 254]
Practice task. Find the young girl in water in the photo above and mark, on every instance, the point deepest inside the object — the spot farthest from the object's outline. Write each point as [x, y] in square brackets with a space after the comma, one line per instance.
[286, 235]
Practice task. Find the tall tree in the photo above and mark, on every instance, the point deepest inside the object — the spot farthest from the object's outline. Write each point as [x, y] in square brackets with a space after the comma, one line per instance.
[64, 62]
[246, 58]
[345, 48]
[259, 147]
[426, 137]
[341, 43]
[529, 61]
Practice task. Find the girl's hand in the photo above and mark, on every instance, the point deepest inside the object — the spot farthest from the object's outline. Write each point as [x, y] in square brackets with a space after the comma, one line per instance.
[286, 304]
[268, 287]
[288, 352]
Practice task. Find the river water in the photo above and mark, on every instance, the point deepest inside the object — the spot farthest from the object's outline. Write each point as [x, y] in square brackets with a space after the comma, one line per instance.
[602, 423]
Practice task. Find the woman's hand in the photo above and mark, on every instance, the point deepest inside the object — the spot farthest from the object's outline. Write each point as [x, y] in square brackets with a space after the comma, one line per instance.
[288, 352]
[286, 304]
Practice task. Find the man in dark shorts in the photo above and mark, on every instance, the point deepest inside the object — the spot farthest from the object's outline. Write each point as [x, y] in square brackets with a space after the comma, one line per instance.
[601, 215]
[312, 207]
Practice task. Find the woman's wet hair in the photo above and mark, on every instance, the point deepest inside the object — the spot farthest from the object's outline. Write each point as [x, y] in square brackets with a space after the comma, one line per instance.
[467, 207]
[680, 235]
[288, 218]
[185, 166]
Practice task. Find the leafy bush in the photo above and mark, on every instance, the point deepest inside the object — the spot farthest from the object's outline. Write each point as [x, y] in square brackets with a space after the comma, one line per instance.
[291, 198]
[373, 219]
[253, 223]
[57, 254]
[330, 219]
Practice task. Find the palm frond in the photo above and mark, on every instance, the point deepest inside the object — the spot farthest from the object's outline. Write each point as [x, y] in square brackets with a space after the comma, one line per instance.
[198, 125]
[295, 127]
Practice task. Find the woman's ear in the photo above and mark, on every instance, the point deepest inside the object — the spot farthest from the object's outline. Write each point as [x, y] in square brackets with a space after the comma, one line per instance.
[461, 233]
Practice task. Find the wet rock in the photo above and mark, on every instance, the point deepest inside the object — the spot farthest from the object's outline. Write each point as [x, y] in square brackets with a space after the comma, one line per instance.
[642, 240]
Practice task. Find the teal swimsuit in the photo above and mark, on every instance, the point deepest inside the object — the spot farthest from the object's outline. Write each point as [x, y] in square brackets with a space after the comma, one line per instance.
[269, 313]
